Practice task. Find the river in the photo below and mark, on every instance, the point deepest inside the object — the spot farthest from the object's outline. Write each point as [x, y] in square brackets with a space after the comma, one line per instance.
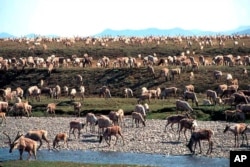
[110, 157]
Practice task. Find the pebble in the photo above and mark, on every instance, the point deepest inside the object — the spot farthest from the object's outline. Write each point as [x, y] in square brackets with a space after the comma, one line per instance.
[150, 139]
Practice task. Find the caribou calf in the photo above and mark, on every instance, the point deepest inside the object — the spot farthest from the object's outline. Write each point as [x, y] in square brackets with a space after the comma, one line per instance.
[197, 136]
[76, 125]
[60, 137]
[111, 131]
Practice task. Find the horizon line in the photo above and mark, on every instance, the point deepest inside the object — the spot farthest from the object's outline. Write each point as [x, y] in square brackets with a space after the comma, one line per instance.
[117, 30]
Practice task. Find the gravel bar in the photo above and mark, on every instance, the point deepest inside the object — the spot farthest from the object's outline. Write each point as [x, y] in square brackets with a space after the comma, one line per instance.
[151, 139]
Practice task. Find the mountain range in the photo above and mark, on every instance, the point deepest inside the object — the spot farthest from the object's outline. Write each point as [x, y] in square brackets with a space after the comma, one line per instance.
[150, 32]
[171, 32]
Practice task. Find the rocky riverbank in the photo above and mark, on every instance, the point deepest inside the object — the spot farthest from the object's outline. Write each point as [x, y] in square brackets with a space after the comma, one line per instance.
[150, 139]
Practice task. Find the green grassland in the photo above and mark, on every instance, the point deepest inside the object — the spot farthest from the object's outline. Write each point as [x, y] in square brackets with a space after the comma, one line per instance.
[56, 164]
[119, 78]
[114, 49]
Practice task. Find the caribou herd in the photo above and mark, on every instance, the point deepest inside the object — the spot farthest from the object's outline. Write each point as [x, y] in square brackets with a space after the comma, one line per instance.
[112, 124]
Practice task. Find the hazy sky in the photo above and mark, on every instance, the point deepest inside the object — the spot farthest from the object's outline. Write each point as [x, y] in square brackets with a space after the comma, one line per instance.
[90, 17]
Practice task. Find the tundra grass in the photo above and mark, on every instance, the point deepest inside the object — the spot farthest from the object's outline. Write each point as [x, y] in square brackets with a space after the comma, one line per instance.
[118, 79]
[159, 109]
[16, 49]
[56, 164]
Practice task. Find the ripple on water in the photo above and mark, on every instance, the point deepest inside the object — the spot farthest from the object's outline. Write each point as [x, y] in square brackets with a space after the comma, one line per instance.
[112, 157]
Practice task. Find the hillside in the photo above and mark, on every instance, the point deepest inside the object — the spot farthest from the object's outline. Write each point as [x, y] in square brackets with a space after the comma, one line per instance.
[117, 47]
[117, 79]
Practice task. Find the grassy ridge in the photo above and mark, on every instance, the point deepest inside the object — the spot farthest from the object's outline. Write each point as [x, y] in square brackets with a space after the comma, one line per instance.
[119, 48]
[118, 79]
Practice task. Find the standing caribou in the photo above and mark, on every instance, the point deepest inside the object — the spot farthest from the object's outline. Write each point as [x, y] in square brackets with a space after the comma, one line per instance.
[22, 144]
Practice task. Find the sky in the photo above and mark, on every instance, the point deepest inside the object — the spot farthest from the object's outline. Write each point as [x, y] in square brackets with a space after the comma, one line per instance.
[90, 17]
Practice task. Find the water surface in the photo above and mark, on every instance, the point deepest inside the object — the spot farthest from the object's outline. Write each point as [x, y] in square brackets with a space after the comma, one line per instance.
[87, 156]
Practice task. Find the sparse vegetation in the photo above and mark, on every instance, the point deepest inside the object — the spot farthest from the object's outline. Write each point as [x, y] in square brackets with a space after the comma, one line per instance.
[118, 79]
[56, 164]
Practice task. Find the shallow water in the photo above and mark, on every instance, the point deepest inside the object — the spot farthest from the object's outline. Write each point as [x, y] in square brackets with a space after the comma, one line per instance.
[87, 156]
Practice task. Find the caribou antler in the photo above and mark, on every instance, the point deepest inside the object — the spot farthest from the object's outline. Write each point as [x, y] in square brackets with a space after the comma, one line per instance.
[7, 136]
[18, 135]
[22, 144]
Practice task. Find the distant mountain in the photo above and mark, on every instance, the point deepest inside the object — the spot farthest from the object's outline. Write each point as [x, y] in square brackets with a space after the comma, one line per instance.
[148, 32]
[170, 32]
[6, 35]
[31, 35]
[240, 30]
[244, 32]
[144, 32]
